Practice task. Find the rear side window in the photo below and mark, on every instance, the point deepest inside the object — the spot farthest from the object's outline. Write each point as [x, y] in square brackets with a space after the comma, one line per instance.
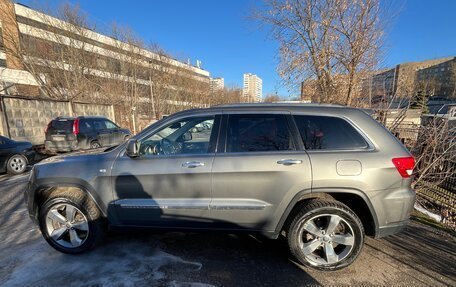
[99, 124]
[85, 125]
[328, 133]
[110, 125]
[256, 133]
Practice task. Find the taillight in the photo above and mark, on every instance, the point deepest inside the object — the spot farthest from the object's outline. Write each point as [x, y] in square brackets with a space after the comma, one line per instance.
[47, 127]
[76, 127]
[404, 165]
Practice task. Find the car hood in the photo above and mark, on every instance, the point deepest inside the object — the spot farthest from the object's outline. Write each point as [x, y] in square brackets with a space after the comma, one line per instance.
[79, 156]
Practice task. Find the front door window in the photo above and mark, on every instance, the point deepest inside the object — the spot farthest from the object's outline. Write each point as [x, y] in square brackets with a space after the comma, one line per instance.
[187, 136]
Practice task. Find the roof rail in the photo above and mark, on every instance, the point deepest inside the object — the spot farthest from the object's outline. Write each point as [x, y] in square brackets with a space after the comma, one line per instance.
[278, 104]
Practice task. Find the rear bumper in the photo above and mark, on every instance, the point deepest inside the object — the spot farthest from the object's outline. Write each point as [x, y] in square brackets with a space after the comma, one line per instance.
[391, 229]
[61, 146]
[392, 208]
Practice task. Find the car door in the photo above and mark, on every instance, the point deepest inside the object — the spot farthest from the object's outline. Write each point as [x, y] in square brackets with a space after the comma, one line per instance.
[257, 170]
[6, 148]
[103, 133]
[170, 182]
[341, 155]
[115, 133]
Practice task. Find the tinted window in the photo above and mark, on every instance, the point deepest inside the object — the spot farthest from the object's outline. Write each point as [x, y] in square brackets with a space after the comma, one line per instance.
[98, 124]
[85, 125]
[110, 125]
[253, 133]
[188, 136]
[62, 125]
[328, 133]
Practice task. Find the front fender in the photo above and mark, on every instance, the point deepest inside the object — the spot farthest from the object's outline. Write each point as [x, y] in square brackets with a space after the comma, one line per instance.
[43, 187]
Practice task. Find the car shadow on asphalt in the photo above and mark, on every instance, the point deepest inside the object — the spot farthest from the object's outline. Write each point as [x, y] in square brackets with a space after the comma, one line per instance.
[421, 250]
[226, 258]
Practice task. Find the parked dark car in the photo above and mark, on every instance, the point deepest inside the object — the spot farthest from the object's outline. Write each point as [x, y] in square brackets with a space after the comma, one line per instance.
[65, 134]
[15, 155]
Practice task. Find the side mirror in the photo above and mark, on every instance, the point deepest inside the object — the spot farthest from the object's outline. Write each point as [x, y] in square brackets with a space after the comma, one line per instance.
[187, 136]
[132, 148]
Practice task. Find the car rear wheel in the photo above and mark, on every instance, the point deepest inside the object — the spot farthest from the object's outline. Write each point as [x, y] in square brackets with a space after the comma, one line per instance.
[325, 235]
[70, 222]
[95, 144]
[16, 164]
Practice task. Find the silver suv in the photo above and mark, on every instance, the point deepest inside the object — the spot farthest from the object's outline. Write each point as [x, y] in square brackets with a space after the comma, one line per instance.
[321, 176]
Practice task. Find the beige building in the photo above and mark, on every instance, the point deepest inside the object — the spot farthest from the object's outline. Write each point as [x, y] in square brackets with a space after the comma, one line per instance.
[252, 88]
[217, 84]
[434, 77]
[49, 58]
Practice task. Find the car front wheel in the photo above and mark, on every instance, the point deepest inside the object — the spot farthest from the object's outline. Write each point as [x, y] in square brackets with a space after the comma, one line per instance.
[325, 235]
[70, 222]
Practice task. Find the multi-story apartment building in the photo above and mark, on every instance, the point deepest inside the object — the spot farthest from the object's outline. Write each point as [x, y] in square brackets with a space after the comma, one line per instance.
[433, 77]
[252, 88]
[217, 84]
[43, 56]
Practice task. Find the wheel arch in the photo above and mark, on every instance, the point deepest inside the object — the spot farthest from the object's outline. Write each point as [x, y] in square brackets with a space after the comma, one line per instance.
[356, 200]
[43, 191]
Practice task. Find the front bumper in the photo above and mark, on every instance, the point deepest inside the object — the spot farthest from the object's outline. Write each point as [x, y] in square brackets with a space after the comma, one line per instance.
[29, 198]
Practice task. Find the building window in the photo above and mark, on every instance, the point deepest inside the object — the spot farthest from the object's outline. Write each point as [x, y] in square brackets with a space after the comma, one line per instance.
[2, 63]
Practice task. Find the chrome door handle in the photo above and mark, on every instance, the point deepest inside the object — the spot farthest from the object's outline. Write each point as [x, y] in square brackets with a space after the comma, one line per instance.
[192, 164]
[289, 161]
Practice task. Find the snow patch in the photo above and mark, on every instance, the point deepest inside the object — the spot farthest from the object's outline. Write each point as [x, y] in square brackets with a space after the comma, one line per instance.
[421, 209]
[118, 264]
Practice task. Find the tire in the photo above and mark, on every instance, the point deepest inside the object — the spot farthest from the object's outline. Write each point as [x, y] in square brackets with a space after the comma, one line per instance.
[17, 164]
[95, 145]
[312, 246]
[71, 235]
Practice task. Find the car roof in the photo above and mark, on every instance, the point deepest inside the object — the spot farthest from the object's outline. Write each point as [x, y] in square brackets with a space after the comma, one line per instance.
[329, 109]
[79, 117]
[276, 104]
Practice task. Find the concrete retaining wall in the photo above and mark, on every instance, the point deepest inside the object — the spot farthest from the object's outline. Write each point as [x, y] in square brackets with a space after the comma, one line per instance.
[26, 119]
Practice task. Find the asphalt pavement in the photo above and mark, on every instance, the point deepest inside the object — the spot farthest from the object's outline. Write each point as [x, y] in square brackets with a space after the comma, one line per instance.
[419, 256]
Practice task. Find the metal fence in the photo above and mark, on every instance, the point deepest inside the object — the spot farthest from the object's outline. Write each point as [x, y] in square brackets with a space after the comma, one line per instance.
[440, 196]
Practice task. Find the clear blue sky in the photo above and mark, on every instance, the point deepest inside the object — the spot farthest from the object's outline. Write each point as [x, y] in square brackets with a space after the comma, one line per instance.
[219, 33]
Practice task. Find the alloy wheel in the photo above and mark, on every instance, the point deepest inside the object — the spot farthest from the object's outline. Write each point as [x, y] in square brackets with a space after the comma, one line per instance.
[95, 145]
[326, 239]
[17, 164]
[66, 225]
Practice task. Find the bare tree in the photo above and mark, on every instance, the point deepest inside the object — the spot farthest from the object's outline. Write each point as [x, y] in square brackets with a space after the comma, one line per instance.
[271, 98]
[325, 39]
[61, 64]
[435, 151]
